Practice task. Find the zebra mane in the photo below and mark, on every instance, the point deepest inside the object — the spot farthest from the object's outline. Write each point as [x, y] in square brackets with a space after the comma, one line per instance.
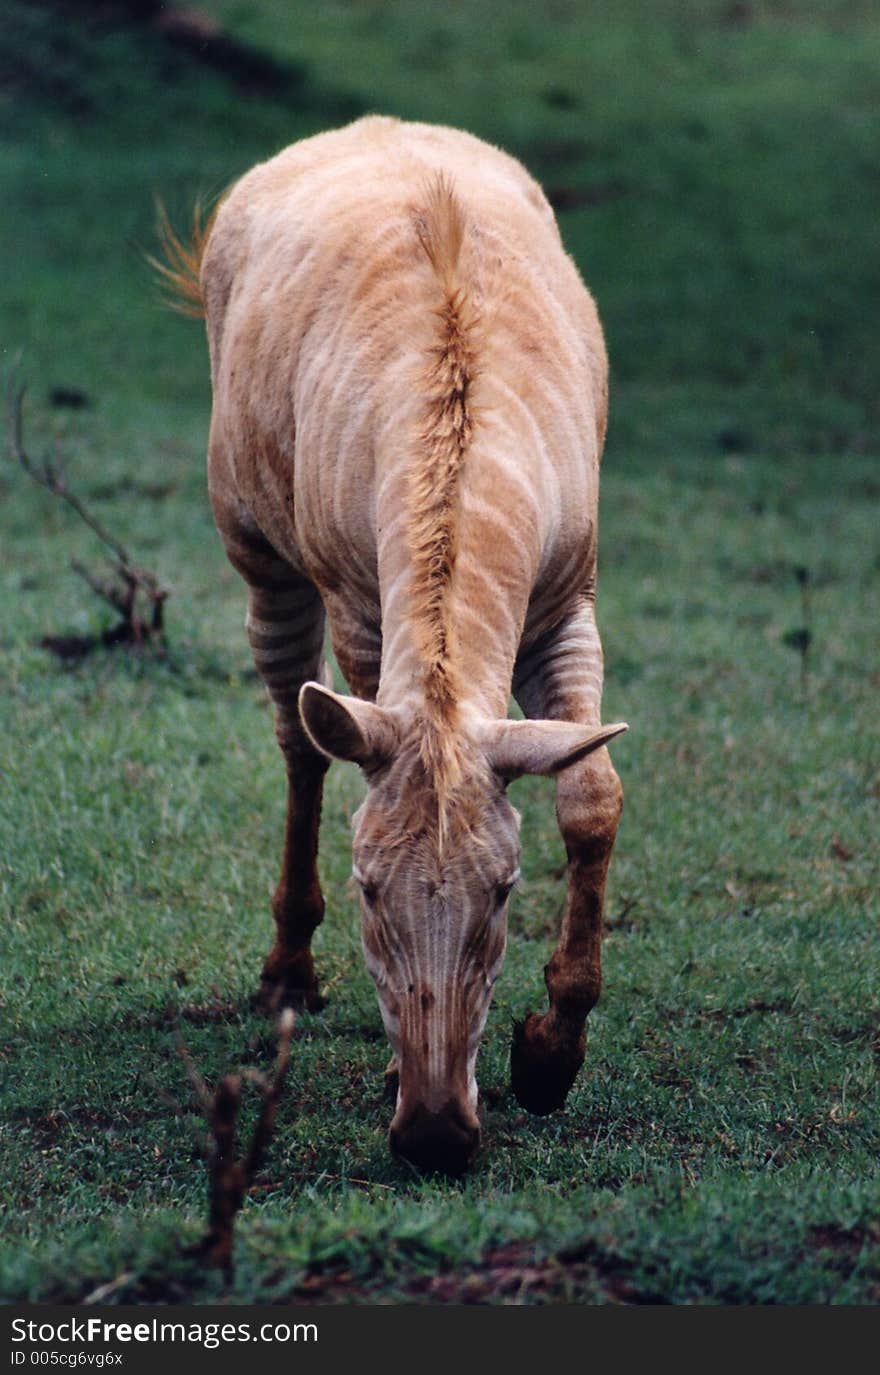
[433, 495]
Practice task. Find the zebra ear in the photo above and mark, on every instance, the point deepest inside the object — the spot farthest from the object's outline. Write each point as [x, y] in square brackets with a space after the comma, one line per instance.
[346, 727]
[546, 747]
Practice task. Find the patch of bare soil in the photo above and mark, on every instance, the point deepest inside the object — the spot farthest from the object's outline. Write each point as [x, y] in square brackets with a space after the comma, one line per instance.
[845, 1242]
[510, 1274]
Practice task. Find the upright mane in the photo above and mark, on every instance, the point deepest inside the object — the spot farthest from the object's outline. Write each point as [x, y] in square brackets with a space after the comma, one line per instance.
[442, 444]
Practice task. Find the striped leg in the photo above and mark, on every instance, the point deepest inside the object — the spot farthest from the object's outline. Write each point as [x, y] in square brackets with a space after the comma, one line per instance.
[357, 644]
[285, 625]
[561, 679]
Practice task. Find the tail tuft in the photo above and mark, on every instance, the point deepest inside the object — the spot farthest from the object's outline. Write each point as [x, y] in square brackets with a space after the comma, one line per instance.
[441, 228]
[179, 264]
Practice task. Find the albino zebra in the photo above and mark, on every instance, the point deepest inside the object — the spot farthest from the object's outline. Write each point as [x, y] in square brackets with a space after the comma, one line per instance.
[409, 404]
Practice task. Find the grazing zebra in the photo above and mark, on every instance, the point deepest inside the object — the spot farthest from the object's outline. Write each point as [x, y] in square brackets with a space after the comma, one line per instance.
[409, 406]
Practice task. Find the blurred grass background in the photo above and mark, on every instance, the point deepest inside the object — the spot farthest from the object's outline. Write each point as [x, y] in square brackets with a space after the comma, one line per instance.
[715, 167]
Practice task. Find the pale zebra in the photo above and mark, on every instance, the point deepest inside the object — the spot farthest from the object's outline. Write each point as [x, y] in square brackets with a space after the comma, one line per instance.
[410, 394]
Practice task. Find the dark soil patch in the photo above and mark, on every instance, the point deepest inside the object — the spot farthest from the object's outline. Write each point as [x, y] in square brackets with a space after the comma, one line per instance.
[845, 1241]
[69, 398]
[194, 32]
[61, 58]
[510, 1274]
[70, 650]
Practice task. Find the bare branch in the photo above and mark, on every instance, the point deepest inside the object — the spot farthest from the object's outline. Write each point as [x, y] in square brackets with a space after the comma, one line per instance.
[46, 474]
[230, 1178]
[108, 591]
[227, 1179]
[132, 586]
[271, 1096]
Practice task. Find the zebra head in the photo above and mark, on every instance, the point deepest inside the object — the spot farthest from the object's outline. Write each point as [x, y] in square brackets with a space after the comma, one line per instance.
[435, 859]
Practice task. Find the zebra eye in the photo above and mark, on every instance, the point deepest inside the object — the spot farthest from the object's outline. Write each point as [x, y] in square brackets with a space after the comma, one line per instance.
[504, 890]
[369, 890]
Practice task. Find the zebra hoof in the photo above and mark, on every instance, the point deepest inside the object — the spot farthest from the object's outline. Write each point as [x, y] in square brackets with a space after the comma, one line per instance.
[543, 1065]
[289, 981]
[273, 997]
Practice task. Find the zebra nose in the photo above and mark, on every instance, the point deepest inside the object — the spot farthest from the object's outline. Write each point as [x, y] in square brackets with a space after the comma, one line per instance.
[444, 1141]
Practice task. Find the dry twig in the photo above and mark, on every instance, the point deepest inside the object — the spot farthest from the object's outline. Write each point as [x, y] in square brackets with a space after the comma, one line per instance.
[230, 1178]
[134, 593]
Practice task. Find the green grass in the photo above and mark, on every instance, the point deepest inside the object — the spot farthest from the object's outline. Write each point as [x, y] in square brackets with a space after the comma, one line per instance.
[722, 1146]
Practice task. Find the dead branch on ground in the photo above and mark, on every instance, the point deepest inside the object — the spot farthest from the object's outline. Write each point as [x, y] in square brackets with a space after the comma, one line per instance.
[229, 1176]
[134, 592]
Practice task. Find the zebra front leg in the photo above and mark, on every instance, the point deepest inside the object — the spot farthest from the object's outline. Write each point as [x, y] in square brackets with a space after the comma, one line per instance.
[562, 680]
[286, 631]
[289, 978]
[549, 1050]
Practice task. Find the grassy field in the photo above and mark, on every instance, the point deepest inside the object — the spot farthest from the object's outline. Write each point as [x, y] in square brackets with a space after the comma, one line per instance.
[717, 173]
